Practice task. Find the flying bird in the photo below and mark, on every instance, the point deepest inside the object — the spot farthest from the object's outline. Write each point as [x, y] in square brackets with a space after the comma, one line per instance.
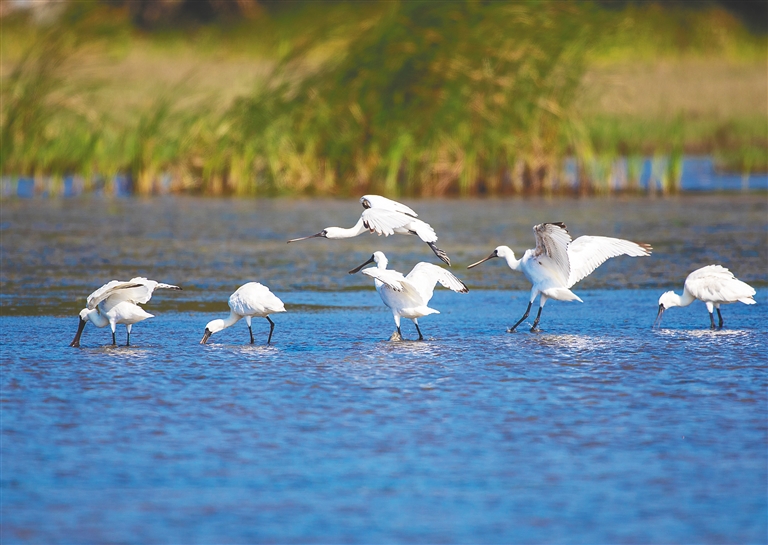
[713, 284]
[385, 217]
[557, 262]
[408, 296]
[249, 300]
[117, 302]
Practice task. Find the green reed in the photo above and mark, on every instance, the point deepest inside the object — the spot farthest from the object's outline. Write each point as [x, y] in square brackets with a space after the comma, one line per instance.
[412, 98]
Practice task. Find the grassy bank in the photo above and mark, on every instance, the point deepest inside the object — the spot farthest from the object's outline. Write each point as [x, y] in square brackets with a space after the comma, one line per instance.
[395, 98]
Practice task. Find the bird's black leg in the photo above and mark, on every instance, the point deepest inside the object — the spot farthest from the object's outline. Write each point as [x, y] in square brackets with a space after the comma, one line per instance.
[251, 332]
[128, 339]
[421, 337]
[271, 328]
[440, 253]
[720, 319]
[712, 321]
[114, 342]
[520, 321]
[536, 321]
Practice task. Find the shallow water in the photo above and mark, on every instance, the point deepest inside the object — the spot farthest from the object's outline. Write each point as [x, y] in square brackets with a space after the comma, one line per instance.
[597, 429]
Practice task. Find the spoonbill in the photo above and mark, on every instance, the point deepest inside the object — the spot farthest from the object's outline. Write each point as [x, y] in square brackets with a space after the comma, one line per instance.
[385, 217]
[117, 302]
[249, 300]
[557, 263]
[713, 284]
[408, 296]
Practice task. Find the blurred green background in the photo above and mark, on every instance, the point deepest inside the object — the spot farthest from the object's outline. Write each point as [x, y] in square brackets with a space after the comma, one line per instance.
[418, 98]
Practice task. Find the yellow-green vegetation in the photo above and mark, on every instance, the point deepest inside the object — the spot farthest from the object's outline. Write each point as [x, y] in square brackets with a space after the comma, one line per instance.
[418, 98]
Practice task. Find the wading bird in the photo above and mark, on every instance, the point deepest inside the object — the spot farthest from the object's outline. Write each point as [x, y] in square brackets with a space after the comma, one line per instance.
[385, 217]
[557, 262]
[118, 302]
[408, 296]
[251, 299]
[713, 284]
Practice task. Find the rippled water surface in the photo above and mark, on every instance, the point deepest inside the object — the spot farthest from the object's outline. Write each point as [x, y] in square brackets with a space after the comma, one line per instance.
[597, 429]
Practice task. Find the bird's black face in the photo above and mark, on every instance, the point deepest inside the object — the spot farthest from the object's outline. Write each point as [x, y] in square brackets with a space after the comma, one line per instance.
[76, 341]
[495, 253]
[206, 336]
[658, 316]
[366, 203]
[321, 234]
[357, 269]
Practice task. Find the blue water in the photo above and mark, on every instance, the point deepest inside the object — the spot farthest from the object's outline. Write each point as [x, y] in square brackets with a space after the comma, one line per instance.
[598, 429]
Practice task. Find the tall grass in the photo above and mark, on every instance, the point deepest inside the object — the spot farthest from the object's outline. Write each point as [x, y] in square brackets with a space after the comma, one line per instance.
[416, 98]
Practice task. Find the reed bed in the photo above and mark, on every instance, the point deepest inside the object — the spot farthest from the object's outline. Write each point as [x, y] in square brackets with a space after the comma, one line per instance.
[412, 98]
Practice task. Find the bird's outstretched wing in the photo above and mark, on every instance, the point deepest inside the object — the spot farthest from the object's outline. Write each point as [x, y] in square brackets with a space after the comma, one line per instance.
[552, 240]
[137, 290]
[390, 278]
[384, 222]
[716, 283]
[587, 253]
[425, 275]
[383, 203]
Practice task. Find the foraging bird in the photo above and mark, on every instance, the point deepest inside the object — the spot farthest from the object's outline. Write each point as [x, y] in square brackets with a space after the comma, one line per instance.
[557, 262]
[713, 284]
[118, 302]
[249, 300]
[408, 296]
[385, 217]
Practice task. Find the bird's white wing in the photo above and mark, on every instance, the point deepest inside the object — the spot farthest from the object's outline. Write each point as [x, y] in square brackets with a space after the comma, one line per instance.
[384, 222]
[552, 240]
[390, 278]
[137, 290]
[254, 298]
[116, 289]
[587, 253]
[716, 283]
[383, 203]
[425, 275]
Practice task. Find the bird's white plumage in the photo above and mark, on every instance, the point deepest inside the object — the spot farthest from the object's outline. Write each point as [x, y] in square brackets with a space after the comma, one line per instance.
[551, 250]
[383, 203]
[557, 262]
[424, 276]
[389, 222]
[117, 302]
[385, 217]
[587, 253]
[137, 290]
[390, 278]
[716, 284]
[254, 299]
[249, 300]
[408, 296]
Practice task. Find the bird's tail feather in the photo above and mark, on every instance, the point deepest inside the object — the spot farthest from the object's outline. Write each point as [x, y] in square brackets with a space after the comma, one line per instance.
[562, 294]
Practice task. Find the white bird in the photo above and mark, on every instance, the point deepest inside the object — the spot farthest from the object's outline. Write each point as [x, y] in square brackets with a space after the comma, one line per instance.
[557, 263]
[713, 284]
[251, 299]
[117, 302]
[408, 296]
[385, 217]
